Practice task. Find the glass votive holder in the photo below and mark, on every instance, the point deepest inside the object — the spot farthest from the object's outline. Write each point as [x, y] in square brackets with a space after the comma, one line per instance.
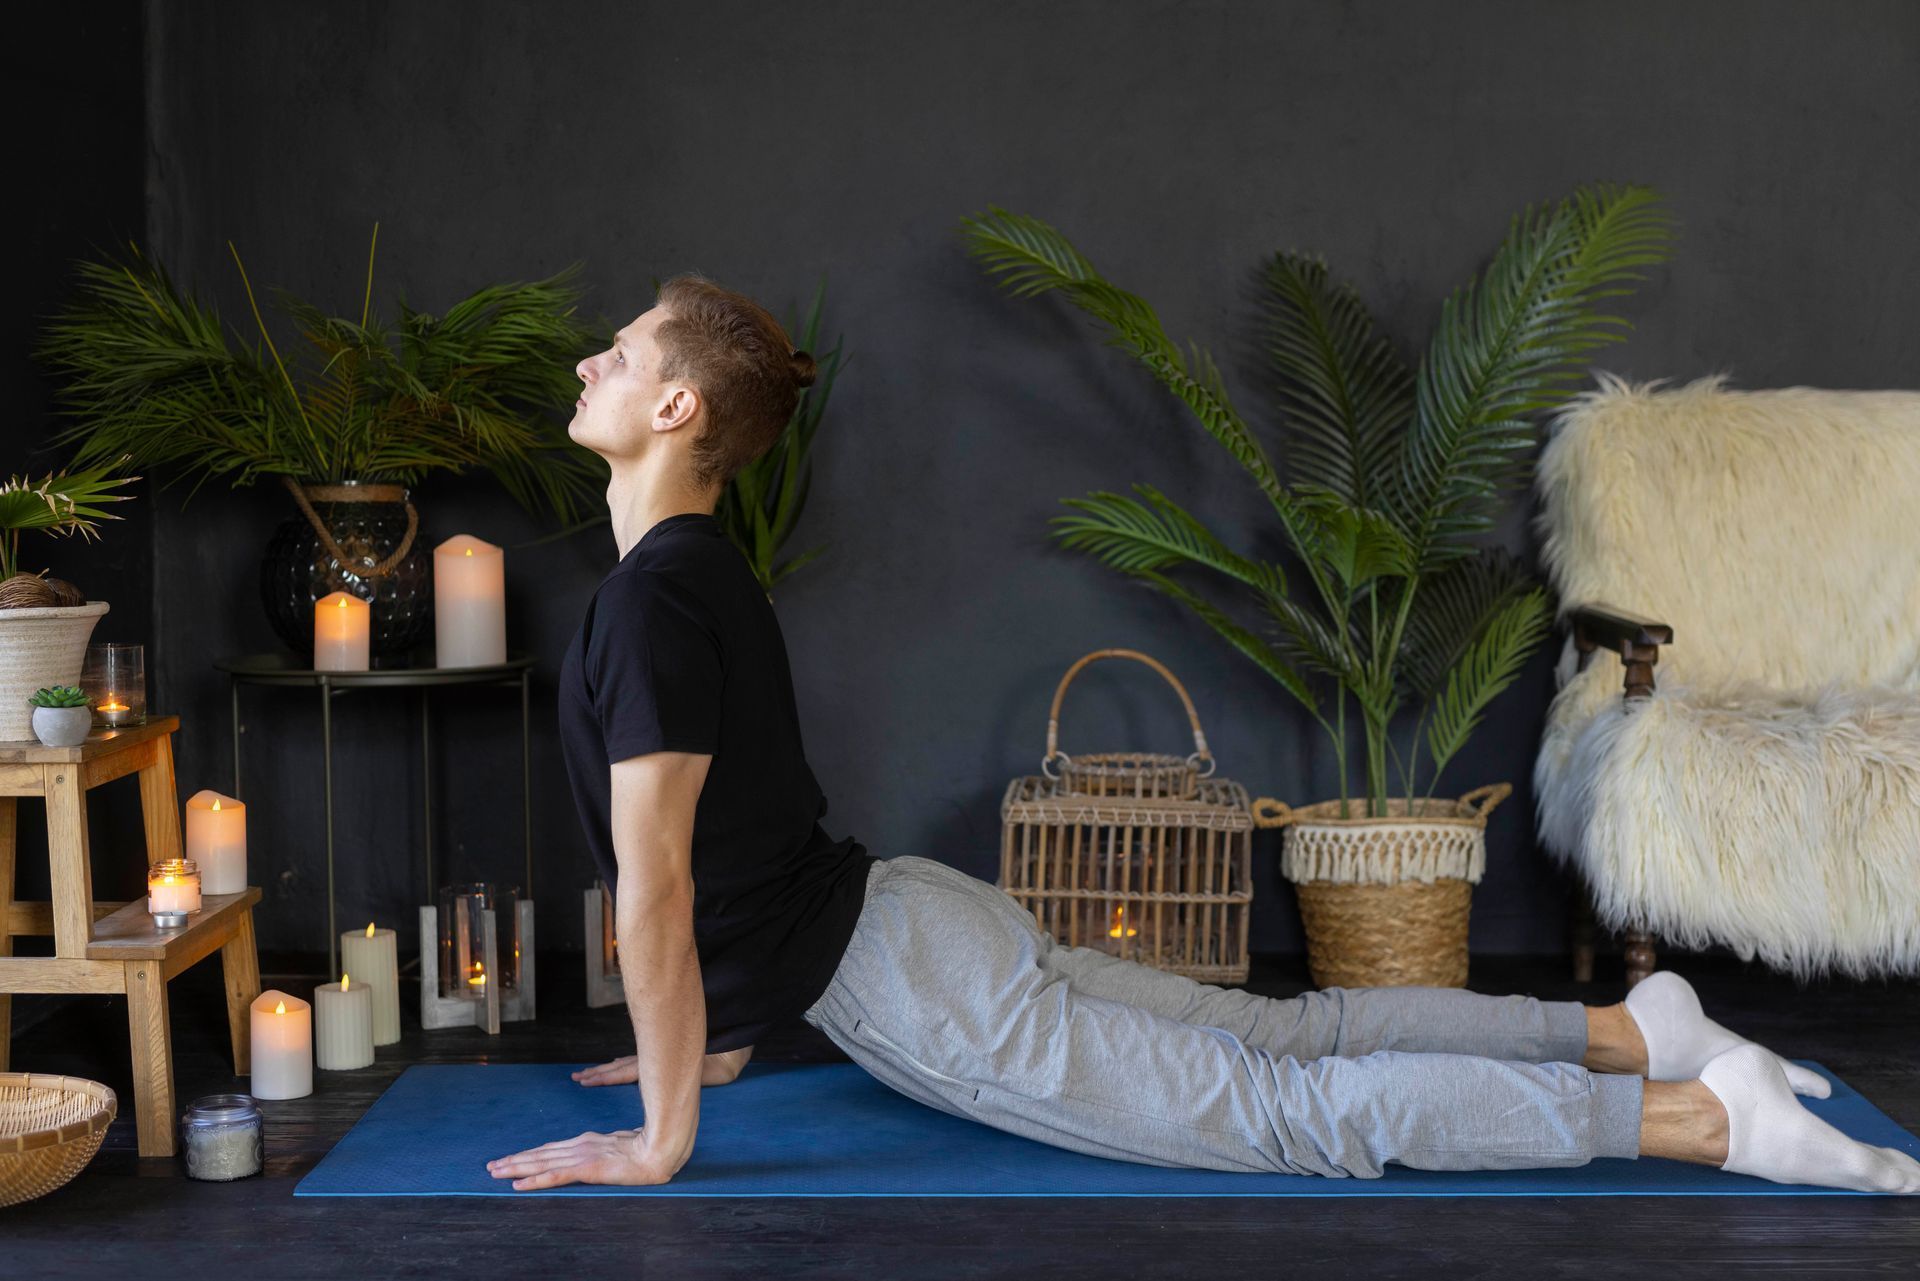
[463, 946]
[114, 677]
[173, 892]
[609, 939]
[222, 1138]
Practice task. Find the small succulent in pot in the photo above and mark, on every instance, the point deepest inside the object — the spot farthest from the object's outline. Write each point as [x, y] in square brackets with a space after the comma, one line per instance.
[61, 716]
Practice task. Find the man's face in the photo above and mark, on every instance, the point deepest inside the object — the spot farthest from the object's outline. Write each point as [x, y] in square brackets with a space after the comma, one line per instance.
[623, 401]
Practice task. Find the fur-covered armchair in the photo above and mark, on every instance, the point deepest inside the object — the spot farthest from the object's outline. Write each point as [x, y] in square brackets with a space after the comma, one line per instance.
[1763, 548]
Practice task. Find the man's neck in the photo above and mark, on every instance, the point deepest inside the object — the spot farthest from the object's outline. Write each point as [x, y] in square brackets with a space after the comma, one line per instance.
[638, 498]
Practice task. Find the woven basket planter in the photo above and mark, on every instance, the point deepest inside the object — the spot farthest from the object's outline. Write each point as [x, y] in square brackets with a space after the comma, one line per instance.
[50, 1127]
[40, 646]
[1385, 899]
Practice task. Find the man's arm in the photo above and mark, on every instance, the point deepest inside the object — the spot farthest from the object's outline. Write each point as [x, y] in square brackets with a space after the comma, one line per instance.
[654, 797]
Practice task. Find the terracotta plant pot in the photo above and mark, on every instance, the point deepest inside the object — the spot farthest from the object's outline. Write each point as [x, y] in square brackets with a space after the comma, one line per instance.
[40, 647]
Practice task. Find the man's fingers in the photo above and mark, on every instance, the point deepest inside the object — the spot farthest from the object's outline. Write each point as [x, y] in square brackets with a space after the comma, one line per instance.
[556, 1148]
[559, 1176]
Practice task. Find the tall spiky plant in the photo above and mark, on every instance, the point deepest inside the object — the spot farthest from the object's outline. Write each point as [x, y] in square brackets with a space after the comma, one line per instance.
[1394, 474]
[151, 373]
[761, 504]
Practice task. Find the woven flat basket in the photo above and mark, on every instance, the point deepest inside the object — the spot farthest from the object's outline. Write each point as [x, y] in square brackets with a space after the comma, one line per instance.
[1385, 900]
[50, 1127]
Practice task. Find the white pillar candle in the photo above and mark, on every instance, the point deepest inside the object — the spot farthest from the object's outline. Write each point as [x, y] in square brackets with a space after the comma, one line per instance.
[282, 1047]
[173, 888]
[372, 957]
[469, 603]
[217, 841]
[342, 624]
[343, 1024]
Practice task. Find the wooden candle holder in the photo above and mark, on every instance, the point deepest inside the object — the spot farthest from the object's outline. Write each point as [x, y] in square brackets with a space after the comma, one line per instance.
[497, 1006]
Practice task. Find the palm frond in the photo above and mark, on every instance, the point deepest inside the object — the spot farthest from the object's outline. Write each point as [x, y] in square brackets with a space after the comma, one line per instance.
[1028, 258]
[1129, 536]
[1264, 655]
[1487, 667]
[1344, 391]
[1453, 609]
[1507, 345]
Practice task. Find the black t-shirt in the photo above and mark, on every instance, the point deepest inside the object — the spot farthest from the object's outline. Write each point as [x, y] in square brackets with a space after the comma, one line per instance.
[680, 651]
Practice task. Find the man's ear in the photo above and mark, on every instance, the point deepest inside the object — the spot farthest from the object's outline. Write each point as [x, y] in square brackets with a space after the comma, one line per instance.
[678, 406]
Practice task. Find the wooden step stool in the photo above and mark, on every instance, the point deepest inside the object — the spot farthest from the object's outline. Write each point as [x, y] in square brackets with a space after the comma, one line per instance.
[113, 947]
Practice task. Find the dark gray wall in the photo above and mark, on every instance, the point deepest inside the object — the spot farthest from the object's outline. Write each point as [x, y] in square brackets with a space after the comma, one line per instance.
[1177, 142]
[79, 156]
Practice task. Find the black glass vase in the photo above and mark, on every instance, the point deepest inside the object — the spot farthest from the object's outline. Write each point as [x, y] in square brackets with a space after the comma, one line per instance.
[368, 523]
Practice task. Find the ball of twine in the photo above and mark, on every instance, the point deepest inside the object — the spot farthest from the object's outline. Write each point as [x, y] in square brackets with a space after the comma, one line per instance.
[27, 591]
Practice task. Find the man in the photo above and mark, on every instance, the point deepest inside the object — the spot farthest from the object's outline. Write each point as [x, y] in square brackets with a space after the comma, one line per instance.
[734, 909]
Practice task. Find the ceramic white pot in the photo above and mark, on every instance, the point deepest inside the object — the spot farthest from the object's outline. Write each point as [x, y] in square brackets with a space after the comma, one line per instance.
[62, 726]
[40, 647]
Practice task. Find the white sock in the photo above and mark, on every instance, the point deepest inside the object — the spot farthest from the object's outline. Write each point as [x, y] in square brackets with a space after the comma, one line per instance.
[1681, 1039]
[1769, 1134]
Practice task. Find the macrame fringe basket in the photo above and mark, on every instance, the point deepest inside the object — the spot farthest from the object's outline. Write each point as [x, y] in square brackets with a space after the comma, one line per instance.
[1385, 899]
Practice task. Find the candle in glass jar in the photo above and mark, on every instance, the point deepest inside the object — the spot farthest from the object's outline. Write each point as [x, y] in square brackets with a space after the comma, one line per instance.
[217, 841]
[173, 885]
[469, 603]
[343, 1024]
[342, 625]
[112, 711]
[372, 957]
[282, 1047]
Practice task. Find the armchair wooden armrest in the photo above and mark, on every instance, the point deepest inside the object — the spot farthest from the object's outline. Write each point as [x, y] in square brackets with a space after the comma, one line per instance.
[1637, 640]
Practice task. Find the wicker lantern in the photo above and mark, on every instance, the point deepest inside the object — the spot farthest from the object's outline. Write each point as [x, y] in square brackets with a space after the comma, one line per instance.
[1142, 855]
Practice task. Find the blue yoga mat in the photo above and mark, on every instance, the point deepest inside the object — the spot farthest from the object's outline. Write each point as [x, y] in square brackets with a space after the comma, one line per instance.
[831, 1130]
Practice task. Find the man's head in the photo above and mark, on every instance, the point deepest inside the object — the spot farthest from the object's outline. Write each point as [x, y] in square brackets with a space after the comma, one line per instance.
[706, 374]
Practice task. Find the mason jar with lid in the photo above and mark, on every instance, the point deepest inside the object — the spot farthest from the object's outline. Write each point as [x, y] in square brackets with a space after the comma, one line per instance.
[223, 1138]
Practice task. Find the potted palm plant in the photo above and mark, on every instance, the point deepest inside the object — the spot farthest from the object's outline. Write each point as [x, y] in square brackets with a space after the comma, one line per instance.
[1388, 601]
[45, 622]
[360, 410]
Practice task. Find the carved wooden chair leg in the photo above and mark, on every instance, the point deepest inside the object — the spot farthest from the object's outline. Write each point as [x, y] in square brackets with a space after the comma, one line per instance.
[1581, 931]
[1640, 959]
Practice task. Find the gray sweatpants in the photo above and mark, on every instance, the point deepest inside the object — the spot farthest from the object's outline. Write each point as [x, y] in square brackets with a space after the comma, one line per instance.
[950, 993]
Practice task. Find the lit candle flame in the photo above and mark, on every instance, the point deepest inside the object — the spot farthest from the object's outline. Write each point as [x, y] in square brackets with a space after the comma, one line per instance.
[369, 929]
[479, 975]
[280, 1007]
[342, 602]
[216, 802]
[469, 551]
[1118, 925]
[344, 976]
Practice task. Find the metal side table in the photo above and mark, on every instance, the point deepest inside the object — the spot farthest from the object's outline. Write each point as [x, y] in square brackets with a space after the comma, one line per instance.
[285, 669]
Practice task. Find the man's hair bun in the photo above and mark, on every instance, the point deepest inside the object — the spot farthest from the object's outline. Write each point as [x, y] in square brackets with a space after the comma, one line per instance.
[803, 369]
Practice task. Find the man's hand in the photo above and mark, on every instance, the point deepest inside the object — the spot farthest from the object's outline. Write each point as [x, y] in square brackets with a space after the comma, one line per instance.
[715, 1069]
[623, 1157]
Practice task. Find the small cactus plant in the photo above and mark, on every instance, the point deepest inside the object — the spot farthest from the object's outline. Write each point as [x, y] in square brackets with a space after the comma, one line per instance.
[59, 696]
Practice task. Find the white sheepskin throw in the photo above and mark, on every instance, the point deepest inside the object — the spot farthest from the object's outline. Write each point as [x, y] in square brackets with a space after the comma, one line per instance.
[1767, 797]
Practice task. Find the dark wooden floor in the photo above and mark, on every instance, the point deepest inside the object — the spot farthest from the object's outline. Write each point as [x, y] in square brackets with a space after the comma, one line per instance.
[139, 1219]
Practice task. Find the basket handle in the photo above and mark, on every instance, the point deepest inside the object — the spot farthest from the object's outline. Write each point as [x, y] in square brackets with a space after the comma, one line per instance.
[1494, 792]
[1283, 813]
[1200, 752]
